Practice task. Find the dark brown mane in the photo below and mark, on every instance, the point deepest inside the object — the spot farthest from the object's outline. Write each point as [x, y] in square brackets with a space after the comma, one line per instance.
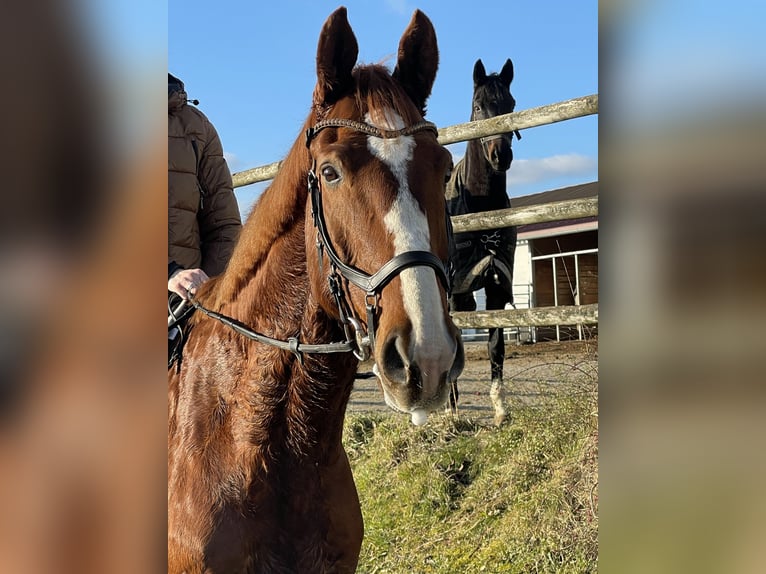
[279, 208]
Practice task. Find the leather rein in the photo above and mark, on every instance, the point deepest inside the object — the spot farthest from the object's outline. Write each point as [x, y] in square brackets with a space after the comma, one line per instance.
[358, 341]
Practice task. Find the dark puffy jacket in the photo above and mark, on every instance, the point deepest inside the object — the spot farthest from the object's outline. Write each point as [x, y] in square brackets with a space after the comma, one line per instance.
[203, 216]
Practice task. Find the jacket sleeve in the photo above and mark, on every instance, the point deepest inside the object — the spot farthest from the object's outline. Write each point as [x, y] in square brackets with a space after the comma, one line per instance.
[219, 218]
[173, 267]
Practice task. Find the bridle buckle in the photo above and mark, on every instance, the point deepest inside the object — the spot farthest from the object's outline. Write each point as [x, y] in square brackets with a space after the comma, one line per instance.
[363, 350]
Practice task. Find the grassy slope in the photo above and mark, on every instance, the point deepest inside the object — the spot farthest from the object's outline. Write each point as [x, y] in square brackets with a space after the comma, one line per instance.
[458, 497]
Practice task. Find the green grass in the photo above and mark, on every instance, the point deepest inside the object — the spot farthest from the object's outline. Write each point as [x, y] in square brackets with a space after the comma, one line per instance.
[455, 496]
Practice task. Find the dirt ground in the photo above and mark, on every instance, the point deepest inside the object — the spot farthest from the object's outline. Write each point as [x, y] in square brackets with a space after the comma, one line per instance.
[532, 372]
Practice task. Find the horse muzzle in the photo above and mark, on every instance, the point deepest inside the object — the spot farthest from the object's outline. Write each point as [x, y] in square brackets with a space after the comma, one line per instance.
[416, 378]
[498, 151]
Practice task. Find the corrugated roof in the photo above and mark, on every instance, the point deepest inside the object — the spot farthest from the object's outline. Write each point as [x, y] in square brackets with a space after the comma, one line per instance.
[573, 192]
[581, 191]
[535, 228]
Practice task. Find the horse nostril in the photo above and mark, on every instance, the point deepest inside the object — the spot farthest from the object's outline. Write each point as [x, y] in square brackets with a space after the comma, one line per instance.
[415, 378]
[393, 363]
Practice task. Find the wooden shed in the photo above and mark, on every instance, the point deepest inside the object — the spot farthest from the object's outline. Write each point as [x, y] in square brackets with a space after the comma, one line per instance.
[557, 262]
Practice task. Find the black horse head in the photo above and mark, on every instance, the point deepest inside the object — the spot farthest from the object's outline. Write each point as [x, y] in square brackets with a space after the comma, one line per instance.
[492, 97]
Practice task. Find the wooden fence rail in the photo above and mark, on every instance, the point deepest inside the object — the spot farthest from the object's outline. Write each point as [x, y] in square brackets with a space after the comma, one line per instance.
[533, 117]
[553, 211]
[534, 317]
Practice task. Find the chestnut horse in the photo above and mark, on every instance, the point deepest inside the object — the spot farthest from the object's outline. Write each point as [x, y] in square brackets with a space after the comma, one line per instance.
[484, 259]
[343, 256]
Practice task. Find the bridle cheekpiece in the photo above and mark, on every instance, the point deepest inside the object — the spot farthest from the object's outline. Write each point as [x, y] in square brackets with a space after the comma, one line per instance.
[372, 285]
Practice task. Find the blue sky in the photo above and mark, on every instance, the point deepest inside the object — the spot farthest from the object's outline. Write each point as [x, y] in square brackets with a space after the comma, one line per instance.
[251, 65]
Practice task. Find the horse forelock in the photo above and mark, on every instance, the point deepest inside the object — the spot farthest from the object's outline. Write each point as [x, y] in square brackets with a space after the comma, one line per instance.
[494, 90]
[375, 89]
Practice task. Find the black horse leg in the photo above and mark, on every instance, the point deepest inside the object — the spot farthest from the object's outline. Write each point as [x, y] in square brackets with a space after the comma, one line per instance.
[459, 302]
[496, 349]
[496, 299]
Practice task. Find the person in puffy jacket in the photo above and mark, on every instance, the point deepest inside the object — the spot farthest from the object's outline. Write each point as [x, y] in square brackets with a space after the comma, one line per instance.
[203, 215]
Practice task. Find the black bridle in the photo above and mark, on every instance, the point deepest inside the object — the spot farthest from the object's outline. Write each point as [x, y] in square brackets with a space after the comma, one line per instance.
[372, 285]
[361, 343]
[508, 136]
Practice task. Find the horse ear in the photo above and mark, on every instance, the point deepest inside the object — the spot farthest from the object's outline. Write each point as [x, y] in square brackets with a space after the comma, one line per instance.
[336, 56]
[418, 59]
[506, 74]
[479, 74]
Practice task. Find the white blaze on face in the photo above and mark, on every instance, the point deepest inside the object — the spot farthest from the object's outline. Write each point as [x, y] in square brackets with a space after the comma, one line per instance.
[431, 344]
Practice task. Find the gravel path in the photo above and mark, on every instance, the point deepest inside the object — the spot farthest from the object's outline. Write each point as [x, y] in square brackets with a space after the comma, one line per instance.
[532, 373]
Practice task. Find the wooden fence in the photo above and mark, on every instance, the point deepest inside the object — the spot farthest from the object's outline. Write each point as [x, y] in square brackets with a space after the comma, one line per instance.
[536, 316]
[556, 211]
[533, 117]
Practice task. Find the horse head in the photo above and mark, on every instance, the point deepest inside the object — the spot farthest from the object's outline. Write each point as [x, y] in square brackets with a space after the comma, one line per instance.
[378, 213]
[492, 97]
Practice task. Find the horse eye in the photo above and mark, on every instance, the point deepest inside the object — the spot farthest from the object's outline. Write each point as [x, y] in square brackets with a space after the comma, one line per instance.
[329, 174]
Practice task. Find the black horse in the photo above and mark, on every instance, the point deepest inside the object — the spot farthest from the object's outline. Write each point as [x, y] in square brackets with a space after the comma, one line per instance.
[485, 258]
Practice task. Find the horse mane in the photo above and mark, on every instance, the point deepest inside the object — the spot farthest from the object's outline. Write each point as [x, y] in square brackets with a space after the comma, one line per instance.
[275, 212]
[282, 205]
